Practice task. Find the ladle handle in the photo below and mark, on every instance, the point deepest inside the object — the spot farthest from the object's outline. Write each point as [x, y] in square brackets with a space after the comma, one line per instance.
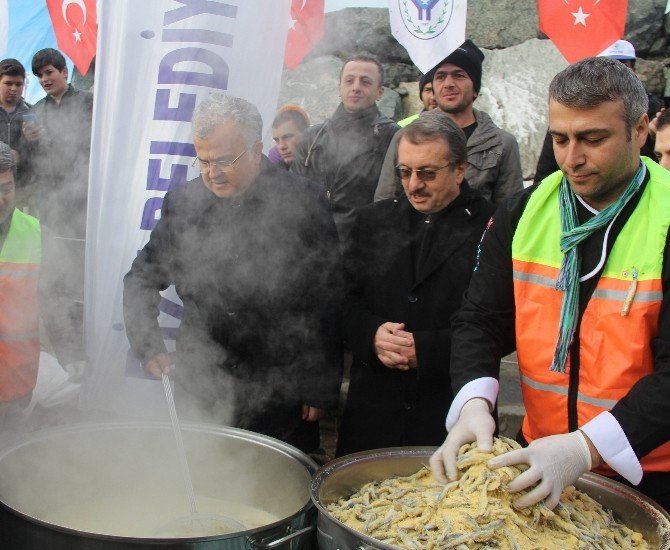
[181, 451]
[263, 545]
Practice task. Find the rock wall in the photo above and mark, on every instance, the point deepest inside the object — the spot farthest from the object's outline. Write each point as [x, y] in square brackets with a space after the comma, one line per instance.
[519, 64]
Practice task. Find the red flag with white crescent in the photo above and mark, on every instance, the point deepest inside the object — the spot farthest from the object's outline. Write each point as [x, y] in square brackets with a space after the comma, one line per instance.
[306, 30]
[75, 25]
[582, 28]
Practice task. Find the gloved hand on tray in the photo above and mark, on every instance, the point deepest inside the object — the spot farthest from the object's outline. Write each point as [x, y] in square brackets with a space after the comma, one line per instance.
[475, 423]
[555, 461]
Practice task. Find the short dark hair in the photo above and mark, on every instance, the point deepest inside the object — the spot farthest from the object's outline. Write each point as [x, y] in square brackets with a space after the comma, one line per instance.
[595, 80]
[12, 67]
[47, 56]
[365, 59]
[434, 125]
[298, 117]
[663, 120]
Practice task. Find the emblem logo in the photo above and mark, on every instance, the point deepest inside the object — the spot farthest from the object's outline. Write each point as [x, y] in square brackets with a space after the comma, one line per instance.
[426, 19]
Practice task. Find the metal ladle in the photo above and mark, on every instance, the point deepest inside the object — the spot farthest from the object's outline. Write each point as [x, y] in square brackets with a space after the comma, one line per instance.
[195, 524]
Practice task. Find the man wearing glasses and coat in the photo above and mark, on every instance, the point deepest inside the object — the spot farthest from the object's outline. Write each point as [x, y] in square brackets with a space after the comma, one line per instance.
[253, 253]
[407, 265]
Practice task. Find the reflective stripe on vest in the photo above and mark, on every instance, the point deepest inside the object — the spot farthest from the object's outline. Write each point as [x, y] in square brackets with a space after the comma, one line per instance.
[619, 322]
[19, 324]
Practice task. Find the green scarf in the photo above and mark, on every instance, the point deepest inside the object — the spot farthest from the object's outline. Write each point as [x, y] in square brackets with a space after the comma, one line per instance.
[572, 236]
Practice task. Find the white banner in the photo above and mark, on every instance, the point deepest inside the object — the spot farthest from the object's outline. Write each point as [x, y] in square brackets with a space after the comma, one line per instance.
[4, 27]
[156, 60]
[428, 29]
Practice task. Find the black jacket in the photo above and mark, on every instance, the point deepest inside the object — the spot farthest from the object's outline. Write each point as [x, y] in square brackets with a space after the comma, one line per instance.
[59, 161]
[258, 275]
[345, 154]
[387, 281]
[11, 134]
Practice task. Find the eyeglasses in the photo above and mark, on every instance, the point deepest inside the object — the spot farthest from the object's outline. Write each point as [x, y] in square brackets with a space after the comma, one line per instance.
[222, 165]
[424, 174]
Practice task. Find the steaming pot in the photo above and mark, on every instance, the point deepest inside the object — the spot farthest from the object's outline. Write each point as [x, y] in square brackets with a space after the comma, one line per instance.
[78, 467]
[348, 474]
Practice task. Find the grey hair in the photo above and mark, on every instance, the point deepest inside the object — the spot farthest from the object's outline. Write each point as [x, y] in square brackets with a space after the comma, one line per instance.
[7, 162]
[595, 80]
[435, 124]
[218, 108]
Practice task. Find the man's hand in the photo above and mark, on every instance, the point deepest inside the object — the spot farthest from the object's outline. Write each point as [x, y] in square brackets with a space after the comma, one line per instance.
[475, 423]
[409, 352]
[555, 461]
[391, 349]
[77, 370]
[32, 132]
[158, 365]
[312, 414]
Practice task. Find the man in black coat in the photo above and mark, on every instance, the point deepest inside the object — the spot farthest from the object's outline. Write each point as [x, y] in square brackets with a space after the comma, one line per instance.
[407, 265]
[252, 251]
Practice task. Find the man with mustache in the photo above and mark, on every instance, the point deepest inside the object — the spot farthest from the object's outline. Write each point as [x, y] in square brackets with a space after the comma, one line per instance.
[494, 165]
[407, 265]
[574, 274]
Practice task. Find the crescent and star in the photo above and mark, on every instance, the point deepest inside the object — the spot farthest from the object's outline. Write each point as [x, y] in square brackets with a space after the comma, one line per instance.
[66, 4]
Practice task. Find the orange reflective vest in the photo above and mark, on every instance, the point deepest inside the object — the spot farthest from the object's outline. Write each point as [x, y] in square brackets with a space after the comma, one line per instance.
[19, 324]
[617, 326]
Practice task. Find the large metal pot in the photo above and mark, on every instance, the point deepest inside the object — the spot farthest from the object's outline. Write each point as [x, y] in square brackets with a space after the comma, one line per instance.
[85, 467]
[346, 475]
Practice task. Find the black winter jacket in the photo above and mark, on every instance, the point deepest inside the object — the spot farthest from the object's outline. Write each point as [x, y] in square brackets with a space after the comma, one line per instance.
[345, 154]
[11, 134]
[258, 276]
[59, 161]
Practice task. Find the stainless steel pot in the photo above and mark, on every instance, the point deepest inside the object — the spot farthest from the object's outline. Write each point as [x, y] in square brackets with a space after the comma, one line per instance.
[81, 466]
[346, 475]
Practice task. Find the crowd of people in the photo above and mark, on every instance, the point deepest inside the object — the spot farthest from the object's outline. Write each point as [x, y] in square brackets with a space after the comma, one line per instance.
[411, 251]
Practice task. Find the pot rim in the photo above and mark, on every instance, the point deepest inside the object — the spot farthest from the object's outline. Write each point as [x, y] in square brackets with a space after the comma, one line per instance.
[310, 465]
[589, 478]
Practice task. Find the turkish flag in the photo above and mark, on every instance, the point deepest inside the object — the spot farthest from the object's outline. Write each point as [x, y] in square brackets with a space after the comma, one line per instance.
[582, 28]
[75, 24]
[306, 30]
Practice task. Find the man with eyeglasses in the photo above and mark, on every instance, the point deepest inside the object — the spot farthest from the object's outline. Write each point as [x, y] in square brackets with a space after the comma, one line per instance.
[406, 268]
[494, 165]
[252, 251]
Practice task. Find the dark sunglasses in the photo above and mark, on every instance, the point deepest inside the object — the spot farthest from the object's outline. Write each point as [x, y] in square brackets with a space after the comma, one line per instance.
[424, 174]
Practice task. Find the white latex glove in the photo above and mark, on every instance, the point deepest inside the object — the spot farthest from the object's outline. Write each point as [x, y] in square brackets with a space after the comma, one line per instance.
[475, 423]
[77, 370]
[555, 461]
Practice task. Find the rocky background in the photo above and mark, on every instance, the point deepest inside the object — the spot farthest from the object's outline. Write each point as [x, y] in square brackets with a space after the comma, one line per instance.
[519, 64]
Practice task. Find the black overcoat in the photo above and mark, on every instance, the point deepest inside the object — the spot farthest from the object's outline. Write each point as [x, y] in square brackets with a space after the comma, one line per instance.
[258, 277]
[388, 407]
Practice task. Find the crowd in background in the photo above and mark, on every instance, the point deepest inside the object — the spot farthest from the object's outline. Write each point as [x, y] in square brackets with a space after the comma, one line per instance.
[366, 233]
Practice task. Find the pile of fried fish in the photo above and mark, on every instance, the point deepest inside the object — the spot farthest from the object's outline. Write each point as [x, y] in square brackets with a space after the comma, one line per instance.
[476, 512]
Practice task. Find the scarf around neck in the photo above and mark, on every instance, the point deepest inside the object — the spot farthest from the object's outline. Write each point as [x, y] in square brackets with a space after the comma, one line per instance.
[572, 235]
